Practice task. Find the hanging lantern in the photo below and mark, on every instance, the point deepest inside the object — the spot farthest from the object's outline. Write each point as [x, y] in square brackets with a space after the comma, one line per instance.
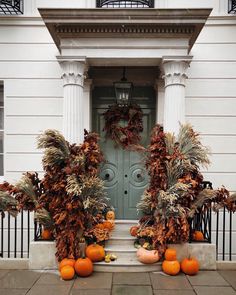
[123, 90]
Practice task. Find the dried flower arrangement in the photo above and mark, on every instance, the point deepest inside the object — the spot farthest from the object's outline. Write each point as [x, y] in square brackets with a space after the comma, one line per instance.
[127, 137]
[175, 192]
[70, 199]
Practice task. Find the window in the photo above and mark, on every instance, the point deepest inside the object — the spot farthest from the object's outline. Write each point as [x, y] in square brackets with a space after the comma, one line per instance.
[232, 6]
[1, 129]
[125, 4]
[11, 7]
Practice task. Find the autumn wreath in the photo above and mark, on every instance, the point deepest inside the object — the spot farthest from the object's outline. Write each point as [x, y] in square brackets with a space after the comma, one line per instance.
[127, 136]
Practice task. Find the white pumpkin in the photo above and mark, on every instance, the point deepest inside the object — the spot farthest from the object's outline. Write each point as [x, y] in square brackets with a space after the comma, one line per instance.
[147, 256]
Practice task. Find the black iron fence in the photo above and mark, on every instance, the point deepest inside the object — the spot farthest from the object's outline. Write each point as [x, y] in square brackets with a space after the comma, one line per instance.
[218, 228]
[125, 4]
[232, 6]
[11, 7]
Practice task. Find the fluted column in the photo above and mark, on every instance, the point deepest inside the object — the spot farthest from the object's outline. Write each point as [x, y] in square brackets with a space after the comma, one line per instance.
[174, 103]
[73, 83]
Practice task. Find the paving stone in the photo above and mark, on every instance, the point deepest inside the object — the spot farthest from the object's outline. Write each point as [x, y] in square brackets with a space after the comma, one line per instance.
[229, 276]
[131, 279]
[13, 291]
[91, 292]
[49, 290]
[207, 278]
[163, 281]
[174, 292]
[52, 278]
[19, 279]
[131, 290]
[3, 272]
[203, 290]
[98, 280]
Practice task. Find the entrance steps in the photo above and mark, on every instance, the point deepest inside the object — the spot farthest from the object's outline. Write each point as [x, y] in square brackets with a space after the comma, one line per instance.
[121, 244]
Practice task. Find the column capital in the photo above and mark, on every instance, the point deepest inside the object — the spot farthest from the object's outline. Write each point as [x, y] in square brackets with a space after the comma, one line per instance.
[175, 68]
[73, 69]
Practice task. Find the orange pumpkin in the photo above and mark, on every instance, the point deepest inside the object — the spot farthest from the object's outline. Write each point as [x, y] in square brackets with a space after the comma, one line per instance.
[170, 254]
[108, 224]
[134, 230]
[83, 267]
[171, 267]
[66, 261]
[190, 266]
[110, 215]
[67, 272]
[46, 234]
[198, 236]
[147, 256]
[95, 252]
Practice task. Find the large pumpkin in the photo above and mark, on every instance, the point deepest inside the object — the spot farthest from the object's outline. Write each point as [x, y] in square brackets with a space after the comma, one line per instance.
[66, 261]
[190, 266]
[67, 272]
[170, 254]
[83, 267]
[95, 252]
[171, 267]
[147, 256]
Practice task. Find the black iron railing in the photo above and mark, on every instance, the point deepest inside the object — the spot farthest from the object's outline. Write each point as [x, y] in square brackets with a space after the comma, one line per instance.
[15, 235]
[11, 7]
[125, 4]
[232, 6]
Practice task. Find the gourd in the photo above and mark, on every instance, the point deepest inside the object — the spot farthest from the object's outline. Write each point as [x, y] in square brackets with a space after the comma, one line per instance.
[108, 224]
[110, 215]
[198, 236]
[190, 266]
[95, 252]
[67, 272]
[147, 256]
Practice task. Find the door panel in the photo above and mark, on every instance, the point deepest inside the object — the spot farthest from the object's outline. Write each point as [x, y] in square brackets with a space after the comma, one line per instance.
[124, 173]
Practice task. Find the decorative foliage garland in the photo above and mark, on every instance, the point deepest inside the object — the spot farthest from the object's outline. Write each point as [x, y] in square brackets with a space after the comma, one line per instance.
[127, 137]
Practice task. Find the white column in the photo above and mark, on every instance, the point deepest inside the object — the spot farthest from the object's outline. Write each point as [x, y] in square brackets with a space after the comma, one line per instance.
[87, 104]
[160, 98]
[174, 104]
[73, 83]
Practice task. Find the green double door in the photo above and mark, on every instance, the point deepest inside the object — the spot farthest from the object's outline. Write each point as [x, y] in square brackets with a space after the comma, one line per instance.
[124, 173]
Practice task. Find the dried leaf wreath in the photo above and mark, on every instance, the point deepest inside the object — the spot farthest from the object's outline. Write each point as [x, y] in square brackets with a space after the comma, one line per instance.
[128, 137]
[175, 192]
[70, 199]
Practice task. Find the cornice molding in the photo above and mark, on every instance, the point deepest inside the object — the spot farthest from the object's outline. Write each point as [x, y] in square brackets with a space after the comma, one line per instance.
[110, 23]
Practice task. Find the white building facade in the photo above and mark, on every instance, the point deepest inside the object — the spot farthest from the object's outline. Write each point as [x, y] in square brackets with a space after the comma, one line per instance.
[54, 55]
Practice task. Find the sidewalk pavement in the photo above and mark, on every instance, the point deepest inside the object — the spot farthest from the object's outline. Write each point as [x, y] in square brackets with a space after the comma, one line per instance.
[21, 282]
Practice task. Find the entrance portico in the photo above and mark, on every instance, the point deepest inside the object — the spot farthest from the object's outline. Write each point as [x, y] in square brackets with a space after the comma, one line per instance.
[123, 37]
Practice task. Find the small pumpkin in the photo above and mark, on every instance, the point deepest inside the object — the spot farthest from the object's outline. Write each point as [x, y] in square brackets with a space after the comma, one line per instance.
[95, 252]
[190, 266]
[83, 267]
[46, 234]
[134, 230]
[170, 254]
[110, 215]
[147, 256]
[108, 224]
[198, 236]
[171, 267]
[67, 272]
[66, 261]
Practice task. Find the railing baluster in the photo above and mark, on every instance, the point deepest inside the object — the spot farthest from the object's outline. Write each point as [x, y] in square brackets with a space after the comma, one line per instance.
[223, 234]
[230, 235]
[2, 228]
[15, 250]
[28, 233]
[22, 232]
[8, 235]
[217, 234]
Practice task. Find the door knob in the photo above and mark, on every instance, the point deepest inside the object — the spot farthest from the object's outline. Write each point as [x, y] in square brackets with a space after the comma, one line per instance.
[139, 175]
[107, 176]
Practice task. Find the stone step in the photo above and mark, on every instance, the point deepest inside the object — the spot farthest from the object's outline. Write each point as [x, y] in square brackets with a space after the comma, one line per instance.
[120, 241]
[123, 226]
[121, 251]
[126, 264]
